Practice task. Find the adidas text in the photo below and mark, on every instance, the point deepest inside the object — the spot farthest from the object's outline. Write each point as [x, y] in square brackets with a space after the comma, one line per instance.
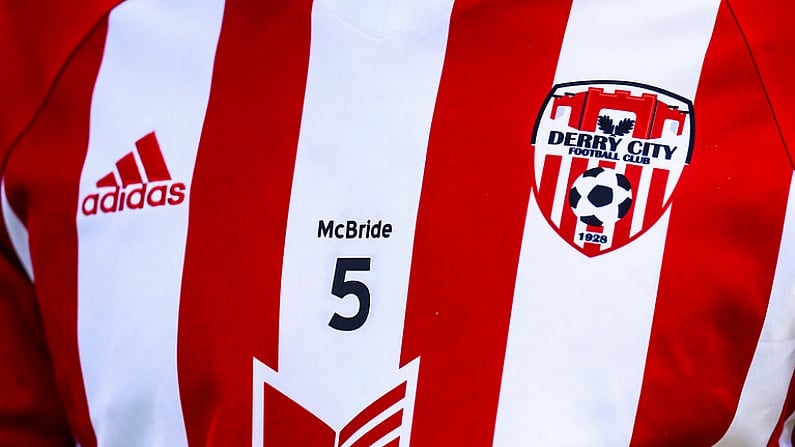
[134, 198]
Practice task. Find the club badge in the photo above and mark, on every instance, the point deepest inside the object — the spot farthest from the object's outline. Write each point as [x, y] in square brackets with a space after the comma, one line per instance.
[607, 158]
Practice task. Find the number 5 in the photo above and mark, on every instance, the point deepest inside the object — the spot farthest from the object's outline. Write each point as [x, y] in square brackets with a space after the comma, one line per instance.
[341, 288]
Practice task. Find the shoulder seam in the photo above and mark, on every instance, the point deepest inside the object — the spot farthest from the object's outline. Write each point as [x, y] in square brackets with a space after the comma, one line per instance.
[762, 82]
[45, 99]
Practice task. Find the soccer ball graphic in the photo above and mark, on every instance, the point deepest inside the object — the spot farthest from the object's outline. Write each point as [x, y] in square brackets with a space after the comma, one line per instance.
[600, 196]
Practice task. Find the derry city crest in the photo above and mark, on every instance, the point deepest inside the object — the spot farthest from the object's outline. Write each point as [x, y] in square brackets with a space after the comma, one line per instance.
[607, 158]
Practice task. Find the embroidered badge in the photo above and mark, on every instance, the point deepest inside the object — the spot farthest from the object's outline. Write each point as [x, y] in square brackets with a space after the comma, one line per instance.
[607, 158]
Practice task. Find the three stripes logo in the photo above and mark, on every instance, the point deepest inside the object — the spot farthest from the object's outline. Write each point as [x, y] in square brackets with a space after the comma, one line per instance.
[124, 188]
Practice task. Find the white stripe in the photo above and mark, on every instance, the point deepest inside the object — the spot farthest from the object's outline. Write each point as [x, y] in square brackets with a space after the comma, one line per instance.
[768, 379]
[670, 185]
[641, 198]
[155, 76]
[380, 18]
[16, 232]
[139, 165]
[785, 440]
[580, 326]
[361, 156]
[660, 44]
[389, 438]
[562, 183]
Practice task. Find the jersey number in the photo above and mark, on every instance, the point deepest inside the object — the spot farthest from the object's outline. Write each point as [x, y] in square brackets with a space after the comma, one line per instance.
[342, 287]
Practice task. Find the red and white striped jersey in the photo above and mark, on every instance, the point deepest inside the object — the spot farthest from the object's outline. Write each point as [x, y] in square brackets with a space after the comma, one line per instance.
[416, 223]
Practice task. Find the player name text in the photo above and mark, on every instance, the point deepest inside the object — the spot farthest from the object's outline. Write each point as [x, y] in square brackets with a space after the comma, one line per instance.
[352, 229]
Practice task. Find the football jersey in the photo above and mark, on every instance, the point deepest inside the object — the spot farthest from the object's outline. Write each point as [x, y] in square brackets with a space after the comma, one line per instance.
[413, 223]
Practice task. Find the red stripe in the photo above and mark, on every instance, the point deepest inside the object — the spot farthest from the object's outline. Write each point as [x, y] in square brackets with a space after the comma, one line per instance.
[387, 426]
[288, 424]
[373, 410]
[654, 202]
[128, 171]
[591, 229]
[549, 180]
[720, 256]
[44, 170]
[31, 416]
[394, 443]
[498, 69]
[591, 249]
[229, 308]
[152, 158]
[568, 222]
[108, 180]
[769, 34]
[607, 164]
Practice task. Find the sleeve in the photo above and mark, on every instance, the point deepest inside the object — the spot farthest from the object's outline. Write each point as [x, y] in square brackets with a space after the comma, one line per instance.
[767, 27]
[30, 410]
[36, 40]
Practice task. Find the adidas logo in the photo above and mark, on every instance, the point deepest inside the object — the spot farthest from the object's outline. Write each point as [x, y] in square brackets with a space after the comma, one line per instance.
[135, 193]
